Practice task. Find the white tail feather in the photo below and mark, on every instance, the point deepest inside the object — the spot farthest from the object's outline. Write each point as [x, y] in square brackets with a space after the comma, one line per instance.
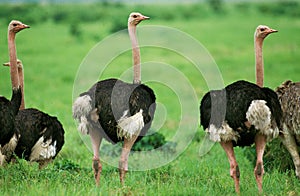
[224, 133]
[129, 126]
[43, 150]
[259, 115]
[9, 148]
[82, 127]
[82, 108]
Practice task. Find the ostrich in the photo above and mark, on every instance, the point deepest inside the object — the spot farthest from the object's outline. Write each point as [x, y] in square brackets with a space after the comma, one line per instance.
[41, 135]
[116, 110]
[242, 114]
[289, 97]
[9, 109]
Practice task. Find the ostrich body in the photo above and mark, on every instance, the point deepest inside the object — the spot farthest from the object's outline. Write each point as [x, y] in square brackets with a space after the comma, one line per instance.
[289, 98]
[9, 109]
[41, 135]
[242, 114]
[116, 110]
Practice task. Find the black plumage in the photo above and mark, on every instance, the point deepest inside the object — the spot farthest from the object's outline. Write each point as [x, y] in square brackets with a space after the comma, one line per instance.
[8, 111]
[33, 124]
[112, 97]
[231, 105]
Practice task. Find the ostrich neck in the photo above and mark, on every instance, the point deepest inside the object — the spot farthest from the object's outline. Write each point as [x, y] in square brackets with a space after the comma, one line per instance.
[13, 60]
[135, 55]
[259, 62]
[21, 80]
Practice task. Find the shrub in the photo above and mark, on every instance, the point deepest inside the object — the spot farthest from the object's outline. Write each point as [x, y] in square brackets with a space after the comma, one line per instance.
[216, 5]
[147, 143]
[288, 8]
[150, 142]
[118, 25]
[66, 164]
[75, 30]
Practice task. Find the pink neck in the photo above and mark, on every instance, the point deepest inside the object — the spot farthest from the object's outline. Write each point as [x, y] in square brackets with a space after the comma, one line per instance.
[13, 60]
[21, 79]
[259, 62]
[135, 54]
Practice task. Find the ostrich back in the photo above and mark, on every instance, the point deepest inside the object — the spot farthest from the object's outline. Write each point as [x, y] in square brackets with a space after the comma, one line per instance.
[289, 97]
[113, 97]
[33, 124]
[8, 111]
[237, 98]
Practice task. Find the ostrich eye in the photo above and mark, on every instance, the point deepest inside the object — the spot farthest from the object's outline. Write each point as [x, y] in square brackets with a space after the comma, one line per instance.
[262, 29]
[15, 24]
[134, 16]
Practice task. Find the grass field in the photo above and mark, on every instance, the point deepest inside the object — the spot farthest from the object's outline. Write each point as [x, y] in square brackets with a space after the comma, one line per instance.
[52, 55]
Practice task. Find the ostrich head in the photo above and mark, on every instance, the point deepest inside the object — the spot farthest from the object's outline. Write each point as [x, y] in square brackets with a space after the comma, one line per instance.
[16, 26]
[263, 31]
[19, 64]
[135, 18]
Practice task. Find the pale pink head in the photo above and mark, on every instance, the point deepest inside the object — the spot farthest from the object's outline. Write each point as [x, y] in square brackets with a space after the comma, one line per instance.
[16, 26]
[263, 31]
[135, 18]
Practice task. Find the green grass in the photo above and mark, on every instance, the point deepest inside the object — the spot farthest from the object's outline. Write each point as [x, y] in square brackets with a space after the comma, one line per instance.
[51, 57]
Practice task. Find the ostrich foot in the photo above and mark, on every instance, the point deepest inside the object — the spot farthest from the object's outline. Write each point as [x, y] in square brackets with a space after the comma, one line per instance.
[235, 174]
[258, 172]
[122, 175]
[97, 167]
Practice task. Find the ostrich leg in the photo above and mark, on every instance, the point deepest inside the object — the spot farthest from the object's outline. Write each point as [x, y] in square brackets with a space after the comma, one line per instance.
[234, 168]
[123, 163]
[260, 143]
[289, 142]
[96, 139]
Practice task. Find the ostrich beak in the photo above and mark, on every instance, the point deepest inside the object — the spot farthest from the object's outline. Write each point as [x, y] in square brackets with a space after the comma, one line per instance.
[25, 26]
[6, 64]
[145, 18]
[272, 31]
